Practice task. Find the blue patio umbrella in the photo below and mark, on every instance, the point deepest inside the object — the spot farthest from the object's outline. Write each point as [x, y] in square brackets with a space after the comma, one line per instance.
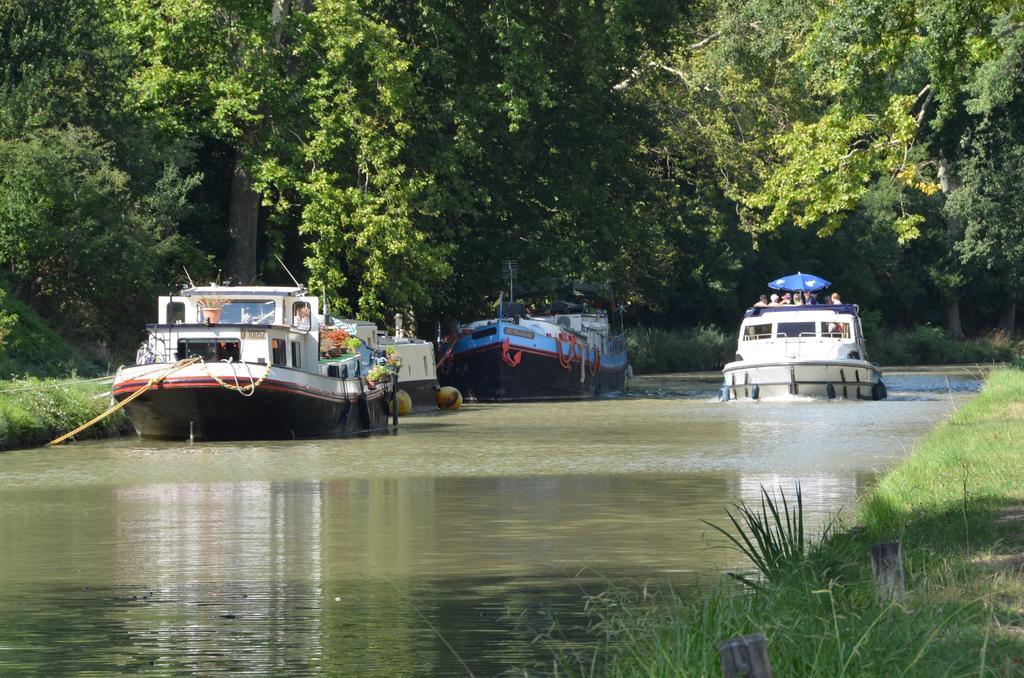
[799, 282]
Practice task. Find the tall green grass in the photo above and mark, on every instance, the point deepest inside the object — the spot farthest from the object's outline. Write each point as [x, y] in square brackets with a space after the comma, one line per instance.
[653, 350]
[35, 411]
[956, 504]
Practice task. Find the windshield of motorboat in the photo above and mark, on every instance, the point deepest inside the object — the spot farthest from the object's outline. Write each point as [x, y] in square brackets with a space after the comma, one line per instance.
[791, 329]
[255, 312]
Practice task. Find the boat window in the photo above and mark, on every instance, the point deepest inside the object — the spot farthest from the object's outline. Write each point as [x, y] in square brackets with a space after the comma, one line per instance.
[277, 351]
[791, 330]
[756, 332]
[296, 354]
[480, 334]
[256, 312]
[835, 330]
[176, 312]
[301, 315]
[210, 349]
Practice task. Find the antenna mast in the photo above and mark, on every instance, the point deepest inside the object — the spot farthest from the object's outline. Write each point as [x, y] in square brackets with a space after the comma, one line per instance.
[288, 272]
[509, 269]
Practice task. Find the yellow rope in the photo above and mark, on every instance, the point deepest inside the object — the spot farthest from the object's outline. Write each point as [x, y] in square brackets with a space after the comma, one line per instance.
[152, 382]
[243, 390]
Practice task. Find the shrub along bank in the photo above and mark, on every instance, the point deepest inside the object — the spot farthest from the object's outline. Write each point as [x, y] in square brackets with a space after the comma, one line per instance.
[35, 411]
[654, 350]
[957, 506]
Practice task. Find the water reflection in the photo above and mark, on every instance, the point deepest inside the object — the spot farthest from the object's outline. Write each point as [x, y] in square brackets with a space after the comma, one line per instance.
[420, 553]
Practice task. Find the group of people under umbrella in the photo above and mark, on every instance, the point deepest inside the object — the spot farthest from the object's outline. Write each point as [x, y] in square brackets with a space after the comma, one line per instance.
[799, 289]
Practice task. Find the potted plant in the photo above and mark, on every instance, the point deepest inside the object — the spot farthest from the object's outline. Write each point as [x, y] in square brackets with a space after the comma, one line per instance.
[378, 373]
[392, 360]
[352, 344]
[331, 340]
[210, 308]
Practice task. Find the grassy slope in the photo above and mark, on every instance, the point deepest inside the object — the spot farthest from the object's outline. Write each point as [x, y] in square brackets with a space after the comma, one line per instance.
[33, 349]
[35, 411]
[957, 504]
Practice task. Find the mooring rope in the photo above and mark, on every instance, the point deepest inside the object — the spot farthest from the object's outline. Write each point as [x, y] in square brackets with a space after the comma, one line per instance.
[245, 390]
[181, 364]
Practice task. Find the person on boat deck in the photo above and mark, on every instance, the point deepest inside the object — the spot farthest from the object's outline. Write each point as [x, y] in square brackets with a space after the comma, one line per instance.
[810, 298]
[836, 299]
[774, 300]
[798, 299]
[762, 301]
[787, 299]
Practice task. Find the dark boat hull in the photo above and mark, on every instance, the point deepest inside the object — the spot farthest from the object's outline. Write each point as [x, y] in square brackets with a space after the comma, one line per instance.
[423, 393]
[214, 413]
[483, 375]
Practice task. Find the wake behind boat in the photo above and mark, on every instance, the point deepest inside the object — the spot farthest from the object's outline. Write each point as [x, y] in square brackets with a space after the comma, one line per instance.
[227, 363]
[813, 350]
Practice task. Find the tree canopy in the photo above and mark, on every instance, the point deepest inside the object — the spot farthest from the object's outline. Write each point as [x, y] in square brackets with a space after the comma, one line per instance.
[395, 153]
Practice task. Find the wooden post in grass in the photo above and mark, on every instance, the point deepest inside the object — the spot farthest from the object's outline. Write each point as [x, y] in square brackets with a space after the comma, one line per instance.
[887, 566]
[745, 657]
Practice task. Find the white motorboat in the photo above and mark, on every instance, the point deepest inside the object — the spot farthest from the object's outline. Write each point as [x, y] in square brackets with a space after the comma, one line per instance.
[815, 350]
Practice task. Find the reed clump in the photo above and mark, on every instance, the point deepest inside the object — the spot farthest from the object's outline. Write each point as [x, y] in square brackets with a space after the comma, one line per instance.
[35, 411]
[928, 345]
[956, 505]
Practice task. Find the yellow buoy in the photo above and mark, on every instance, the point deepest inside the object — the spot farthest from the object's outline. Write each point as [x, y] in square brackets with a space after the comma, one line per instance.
[404, 403]
[449, 398]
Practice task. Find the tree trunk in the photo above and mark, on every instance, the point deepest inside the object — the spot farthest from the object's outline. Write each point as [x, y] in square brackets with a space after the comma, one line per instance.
[1008, 314]
[243, 226]
[953, 324]
[949, 182]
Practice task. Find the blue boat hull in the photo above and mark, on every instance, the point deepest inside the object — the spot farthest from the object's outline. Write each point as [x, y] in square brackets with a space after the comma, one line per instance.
[502, 367]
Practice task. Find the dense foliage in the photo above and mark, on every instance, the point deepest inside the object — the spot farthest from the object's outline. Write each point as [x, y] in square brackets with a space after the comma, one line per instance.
[395, 153]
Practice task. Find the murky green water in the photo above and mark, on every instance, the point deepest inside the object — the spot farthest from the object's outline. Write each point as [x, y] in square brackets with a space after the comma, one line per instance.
[437, 551]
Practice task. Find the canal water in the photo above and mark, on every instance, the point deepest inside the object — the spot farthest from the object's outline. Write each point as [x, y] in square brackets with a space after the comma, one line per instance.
[442, 550]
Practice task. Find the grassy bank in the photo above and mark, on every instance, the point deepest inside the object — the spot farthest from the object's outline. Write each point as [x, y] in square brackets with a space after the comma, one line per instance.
[957, 506]
[654, 350]
[35, 411]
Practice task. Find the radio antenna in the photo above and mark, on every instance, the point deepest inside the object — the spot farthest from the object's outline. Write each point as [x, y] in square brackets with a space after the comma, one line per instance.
[190, 283]
[288, 272]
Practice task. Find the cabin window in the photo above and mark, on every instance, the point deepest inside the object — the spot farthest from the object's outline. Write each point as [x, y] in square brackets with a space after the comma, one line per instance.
[792, 330]
[210, 349]
[176, 312]
[301, 316]
[835, 330]
[256, 312]
[757, 332]
[296, 354]
[278, 352]
[480, 334]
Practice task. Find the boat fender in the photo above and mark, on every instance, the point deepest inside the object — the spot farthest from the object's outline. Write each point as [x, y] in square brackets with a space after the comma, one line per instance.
[876, 391]
[755, 392]
[364, 411]
[449, 398]
[723, 394]
[885, 390]
[830, 391]
[404, 403]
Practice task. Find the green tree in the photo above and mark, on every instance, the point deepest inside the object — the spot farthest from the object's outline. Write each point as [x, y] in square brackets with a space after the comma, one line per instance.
[83, 248]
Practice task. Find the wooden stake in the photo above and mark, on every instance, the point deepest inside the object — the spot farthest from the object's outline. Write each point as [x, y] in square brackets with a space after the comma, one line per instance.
[745, 657]
[887, 566]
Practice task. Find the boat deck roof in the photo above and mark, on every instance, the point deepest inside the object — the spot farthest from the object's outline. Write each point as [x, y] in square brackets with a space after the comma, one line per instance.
[848, 309]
